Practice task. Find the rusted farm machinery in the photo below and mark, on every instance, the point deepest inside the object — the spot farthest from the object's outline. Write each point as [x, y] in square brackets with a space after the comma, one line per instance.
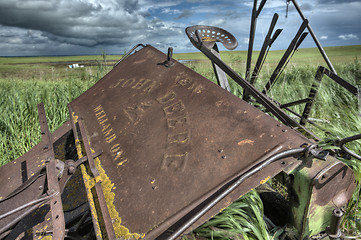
[154, 149]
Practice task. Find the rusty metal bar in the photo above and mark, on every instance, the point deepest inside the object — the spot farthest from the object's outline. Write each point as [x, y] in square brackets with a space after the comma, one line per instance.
[261, 98]
[77, 141]
[319, 46]
[286, 105]
[349, 87]
[18, 218]
[255, 14]
[348, 151]
[224, 193]
[296, 41]
[31, 203]
[334, 231]
[312, 95]
[128, 53]
[321, 71]
[263, 53]
[98, 188]
[220, 74]
[56, 206]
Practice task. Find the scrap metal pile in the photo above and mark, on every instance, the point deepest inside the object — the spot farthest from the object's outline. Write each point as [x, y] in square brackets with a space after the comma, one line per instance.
[153, 150]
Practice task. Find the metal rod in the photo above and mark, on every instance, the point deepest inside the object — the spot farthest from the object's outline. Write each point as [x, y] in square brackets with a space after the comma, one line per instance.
[348, 151]
[233, 186]
[319, 46]
[220, 74]
[349, 87]
[263, 53]
[98, 188]
[18, 218]
[128, 53]
[333, 231]
[312, 95]
[255, 14]
[291, 104]
[36, 201]
[258, 96]
[56, 206]
[291, 48]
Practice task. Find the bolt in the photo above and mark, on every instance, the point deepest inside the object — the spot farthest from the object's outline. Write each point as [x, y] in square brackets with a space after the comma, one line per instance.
[71, 170]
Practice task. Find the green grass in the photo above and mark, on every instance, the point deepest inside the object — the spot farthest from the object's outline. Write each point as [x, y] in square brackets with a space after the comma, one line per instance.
[23, 86]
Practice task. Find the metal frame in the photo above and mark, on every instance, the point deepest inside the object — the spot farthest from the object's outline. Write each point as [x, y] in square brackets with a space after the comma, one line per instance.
[251, 90]
[318, 44]
[295, 43]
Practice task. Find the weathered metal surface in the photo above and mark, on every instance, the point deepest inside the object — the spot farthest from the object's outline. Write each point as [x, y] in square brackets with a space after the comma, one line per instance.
[319, 188]
[170, 139]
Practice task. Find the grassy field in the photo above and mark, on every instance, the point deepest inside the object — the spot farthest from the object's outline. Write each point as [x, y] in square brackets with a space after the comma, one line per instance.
[25, 82]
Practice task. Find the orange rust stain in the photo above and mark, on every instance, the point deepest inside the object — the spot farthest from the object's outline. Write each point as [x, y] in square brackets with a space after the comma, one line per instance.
[246, 141]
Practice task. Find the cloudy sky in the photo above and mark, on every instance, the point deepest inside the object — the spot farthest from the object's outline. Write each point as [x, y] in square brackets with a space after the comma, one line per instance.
[78, 27]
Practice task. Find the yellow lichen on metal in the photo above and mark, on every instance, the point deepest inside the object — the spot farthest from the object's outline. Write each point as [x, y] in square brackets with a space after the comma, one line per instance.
[107, 186]
[89, 184]
[264, 180]
[75, 118]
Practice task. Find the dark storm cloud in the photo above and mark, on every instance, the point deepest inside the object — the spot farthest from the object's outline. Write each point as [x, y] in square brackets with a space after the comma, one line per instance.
[85, 26]
[83, 23]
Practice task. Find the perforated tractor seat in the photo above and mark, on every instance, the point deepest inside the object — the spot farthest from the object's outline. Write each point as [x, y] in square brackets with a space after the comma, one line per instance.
[210, 35]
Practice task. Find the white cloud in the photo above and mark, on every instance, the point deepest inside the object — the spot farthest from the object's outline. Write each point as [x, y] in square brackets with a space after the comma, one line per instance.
[323, 37]
[348, 37]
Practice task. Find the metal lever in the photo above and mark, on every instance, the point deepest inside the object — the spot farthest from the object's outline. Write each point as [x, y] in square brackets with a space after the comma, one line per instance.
[264, 52]
[255, 13]
[56, 206]
[295, 43]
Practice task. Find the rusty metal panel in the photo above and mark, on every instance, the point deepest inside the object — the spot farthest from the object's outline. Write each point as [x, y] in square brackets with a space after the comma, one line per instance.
[21, 169]
[170, 138]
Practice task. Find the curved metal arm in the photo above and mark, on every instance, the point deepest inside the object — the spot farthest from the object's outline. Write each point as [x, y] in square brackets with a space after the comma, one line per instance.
[348, 151]
[128, 53]
[277, 156]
